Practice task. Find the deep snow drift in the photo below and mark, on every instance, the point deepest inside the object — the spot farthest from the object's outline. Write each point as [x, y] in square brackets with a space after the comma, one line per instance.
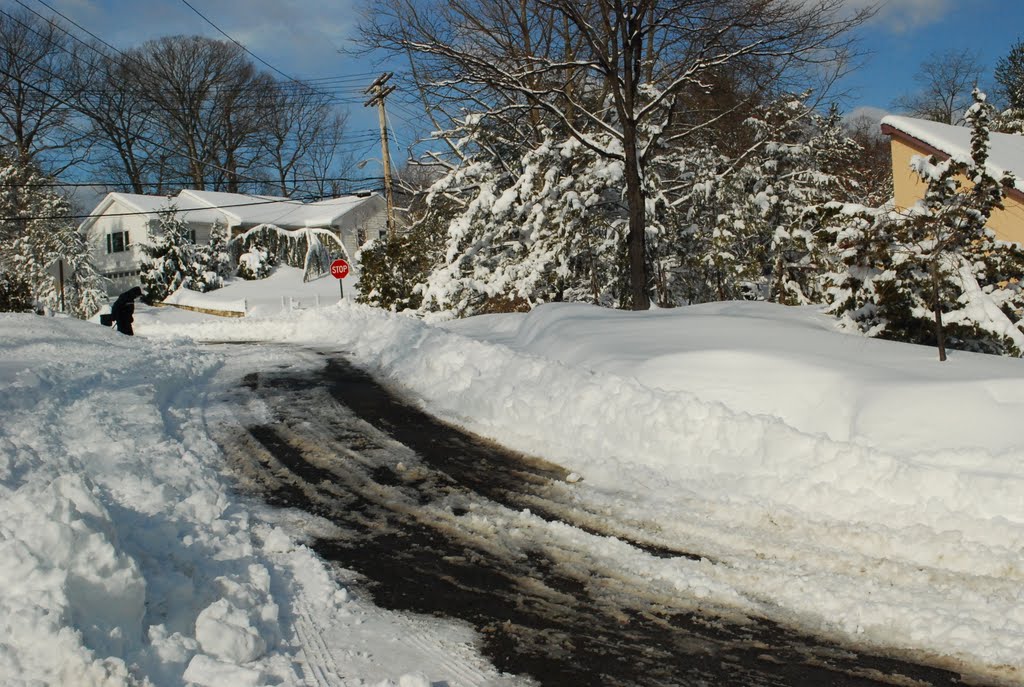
[852, 487]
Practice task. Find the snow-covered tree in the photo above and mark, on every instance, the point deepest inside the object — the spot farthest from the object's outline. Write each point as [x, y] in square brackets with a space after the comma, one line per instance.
[266, 245]
[935, 275]
[746, 231]
[612, 76]
[171, 260]
[35, 233]
[523, 230]
[392, 269]
[214, 259]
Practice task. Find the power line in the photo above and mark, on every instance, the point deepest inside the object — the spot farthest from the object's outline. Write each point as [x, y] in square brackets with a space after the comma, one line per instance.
[248, 52]
[294, 85]
[161, 210]
[368, 135]
[349, 142]
[72, 184]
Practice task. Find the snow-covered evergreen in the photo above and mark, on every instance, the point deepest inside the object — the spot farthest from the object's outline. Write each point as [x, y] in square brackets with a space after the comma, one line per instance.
[35, 233]
[214, 259]
[935, 275]
[742, 223]
[535, 229]
[172, 260]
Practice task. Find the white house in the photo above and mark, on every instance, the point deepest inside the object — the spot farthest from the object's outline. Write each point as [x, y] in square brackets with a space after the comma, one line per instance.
[123, 222]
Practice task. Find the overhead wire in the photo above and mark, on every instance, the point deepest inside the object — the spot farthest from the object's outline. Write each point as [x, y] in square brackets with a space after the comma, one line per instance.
[77, 108]
[159, 211]
[353, 140]
[352, 96]
[106, 145]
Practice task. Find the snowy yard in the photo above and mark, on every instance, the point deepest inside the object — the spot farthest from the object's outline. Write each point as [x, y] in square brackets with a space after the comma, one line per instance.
[851, 487]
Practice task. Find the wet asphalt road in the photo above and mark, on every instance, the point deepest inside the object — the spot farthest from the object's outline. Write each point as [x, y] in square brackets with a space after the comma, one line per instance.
[411, 499]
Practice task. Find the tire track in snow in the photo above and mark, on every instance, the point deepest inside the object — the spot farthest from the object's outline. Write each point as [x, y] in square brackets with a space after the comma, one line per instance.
[318, 658]
[541, 609]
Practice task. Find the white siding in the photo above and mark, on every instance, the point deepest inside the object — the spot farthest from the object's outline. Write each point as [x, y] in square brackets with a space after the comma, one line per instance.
[116, 265]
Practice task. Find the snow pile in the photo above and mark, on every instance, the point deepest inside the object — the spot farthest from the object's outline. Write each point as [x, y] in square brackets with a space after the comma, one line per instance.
[843, 485]
[835, 426]
[897, 481]
[125, 558]
[121, 551]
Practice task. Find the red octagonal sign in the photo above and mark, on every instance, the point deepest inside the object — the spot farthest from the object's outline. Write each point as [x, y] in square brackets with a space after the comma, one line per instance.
[339, 269]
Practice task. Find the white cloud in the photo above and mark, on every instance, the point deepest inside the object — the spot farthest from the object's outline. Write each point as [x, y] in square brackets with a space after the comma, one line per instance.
[900, 16]
[873, 114]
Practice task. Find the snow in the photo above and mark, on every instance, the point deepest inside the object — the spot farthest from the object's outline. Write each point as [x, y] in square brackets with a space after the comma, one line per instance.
[1006, 151]
[235, 209]
[848, 486]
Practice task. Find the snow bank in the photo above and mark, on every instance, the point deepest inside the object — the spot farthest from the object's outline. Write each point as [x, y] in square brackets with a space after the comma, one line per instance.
[623, 402]
[122, 553]
[899, 480]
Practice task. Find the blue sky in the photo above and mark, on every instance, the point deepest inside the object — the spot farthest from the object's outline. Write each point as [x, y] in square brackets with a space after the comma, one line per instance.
[906, 32]
[303, 37]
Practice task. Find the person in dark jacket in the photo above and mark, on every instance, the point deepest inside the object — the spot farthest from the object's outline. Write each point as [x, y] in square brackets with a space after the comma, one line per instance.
[123, 310]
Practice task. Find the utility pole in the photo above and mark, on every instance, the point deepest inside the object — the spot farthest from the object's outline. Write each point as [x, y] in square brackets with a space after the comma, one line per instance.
[379, 91]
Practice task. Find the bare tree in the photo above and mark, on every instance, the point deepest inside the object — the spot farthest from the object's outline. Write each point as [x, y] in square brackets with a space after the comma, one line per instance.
[123, 119]
[34, 114]
[207, 95]
[872, 166]
[302, 138]
[608, 72]
[944, 84]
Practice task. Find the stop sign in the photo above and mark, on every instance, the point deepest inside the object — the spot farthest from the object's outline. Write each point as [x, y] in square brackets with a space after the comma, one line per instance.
[339, 269]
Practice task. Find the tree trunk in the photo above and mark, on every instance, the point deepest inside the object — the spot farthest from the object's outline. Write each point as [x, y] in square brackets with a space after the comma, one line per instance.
[636, 240]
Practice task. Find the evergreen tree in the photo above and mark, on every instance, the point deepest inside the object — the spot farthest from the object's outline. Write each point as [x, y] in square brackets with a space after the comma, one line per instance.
[392, 269]
[524, 230]
[1009, 75]
[937, 275]
[34, 234]
[751, 235]
[214, 259]
[171, 259]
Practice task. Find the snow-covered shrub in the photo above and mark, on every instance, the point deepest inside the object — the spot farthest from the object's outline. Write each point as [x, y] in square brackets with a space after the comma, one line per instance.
[255, 263]
[393, 268]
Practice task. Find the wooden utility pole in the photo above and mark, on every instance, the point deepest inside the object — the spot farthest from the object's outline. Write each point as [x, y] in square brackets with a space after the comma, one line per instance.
[379, 92]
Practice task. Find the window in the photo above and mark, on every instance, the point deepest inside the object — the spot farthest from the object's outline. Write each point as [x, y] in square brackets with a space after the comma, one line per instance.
[117, 242]
[119, 275]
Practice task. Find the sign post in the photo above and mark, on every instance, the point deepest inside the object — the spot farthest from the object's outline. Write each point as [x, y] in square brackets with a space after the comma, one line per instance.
[339, 270]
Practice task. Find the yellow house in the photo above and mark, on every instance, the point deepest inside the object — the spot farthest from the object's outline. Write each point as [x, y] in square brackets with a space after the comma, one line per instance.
[910, 137]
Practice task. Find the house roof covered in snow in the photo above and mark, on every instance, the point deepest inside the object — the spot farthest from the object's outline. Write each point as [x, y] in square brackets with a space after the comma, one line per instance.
[236, 209]
[1006, 151]
[188, 210]
[251, 210]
